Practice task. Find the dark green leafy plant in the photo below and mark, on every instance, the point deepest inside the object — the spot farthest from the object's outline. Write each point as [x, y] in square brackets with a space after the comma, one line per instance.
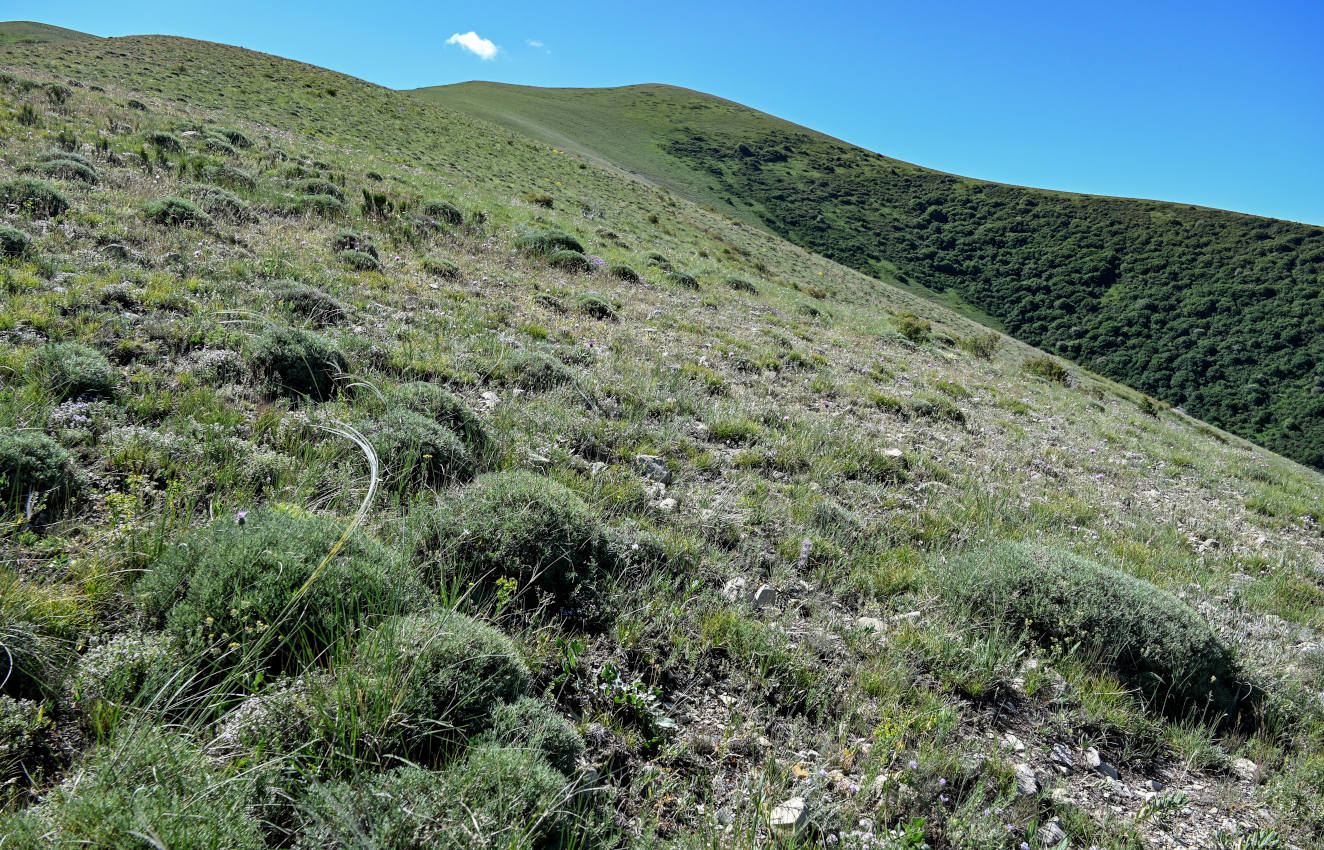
[596, 306]
[443, 211]
[571, 261]
[684, 280]
[623, 272]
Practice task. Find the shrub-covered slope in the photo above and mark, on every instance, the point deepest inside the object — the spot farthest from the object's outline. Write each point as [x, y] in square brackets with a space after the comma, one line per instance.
[1219, 312]
[374, 476]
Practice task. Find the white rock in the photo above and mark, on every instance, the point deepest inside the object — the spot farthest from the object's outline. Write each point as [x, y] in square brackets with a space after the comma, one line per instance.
[667, 505]
[1026, 783]
[1052, 833]
[790, 818]
[1246, 769]
[735, 589]
[870, 624]
[1013, 743]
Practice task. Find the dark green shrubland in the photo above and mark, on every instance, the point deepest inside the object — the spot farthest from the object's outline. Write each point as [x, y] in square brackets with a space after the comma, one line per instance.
[32, 198]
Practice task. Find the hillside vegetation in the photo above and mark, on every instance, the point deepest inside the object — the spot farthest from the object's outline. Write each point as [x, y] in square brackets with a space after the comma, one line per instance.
[1218, 312]
[30, 32]
[375, 476]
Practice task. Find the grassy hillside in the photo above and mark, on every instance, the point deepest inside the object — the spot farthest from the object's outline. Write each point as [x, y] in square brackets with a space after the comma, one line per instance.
[371, 475]
[1215, 311]
[30, 32]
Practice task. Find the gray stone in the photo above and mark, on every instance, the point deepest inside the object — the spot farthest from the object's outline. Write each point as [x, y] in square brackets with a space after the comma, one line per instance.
[1154, 785]
[735, 589]
[765, 596]
[870, 624]
[790, 818]
[1026, 782]
[1062, 755]
[1011, 742]
[667, 505]
[1051, 834]
[1246, 769]
[653, 467]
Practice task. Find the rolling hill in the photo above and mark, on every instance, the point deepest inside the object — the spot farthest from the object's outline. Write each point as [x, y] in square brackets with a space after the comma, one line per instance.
[1218, 312]
[30, 32]
[374, 474]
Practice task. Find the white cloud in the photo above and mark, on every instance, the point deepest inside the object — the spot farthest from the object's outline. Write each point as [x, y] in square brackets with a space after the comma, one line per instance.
[475, 44]
[533, 43]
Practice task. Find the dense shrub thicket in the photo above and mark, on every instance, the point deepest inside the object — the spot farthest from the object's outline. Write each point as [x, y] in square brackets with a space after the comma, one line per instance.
[32, 197]
[74, 370]
[32, 464]
[1219, 312]
[1153, 640]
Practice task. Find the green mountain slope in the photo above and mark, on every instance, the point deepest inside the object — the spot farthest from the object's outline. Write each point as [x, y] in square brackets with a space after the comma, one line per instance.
[30, 32]
[1219, 312]
[372, 474]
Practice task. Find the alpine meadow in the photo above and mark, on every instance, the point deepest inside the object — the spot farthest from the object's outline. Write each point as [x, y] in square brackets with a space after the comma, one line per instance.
[493, 467]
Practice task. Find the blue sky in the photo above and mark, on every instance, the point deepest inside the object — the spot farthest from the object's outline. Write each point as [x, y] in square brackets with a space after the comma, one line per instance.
[1212, 103]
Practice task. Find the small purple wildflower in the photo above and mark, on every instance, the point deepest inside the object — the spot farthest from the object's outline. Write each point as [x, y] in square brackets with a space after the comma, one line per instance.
[596, 260]
[942, 783]
[854, 789]
[942, 798]
[913, 765]
[240, 517]
[1025, 846]
[197, 253]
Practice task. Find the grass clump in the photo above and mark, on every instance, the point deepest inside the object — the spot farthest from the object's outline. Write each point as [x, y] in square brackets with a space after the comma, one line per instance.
[547, 242]
[415, 450]
[173, 212]
[1155, 642]
[596, 306]
[317, 307]
[228, 175]
[321, 205]
[235, 137]
[216, 144]
[534, 725]
[295, 363]
[739, 284]
[164, 141]
[352, 240]
[623, 272]
[981, 345]
[221, 204]
[444, 407]
[359, 261]
[314, 186]
[32, 198]
[653, 258]
[274, 592]
[446, 674]
[69, 168]
[684, 280]
[533, 370]
[444, 269]
[1048, 368]
[13, 242]
[73, 370]
[936, 407]
[443, 211]
[527, 528]
[148, 782]
[494, 797]
[571, 261]
[35, 467]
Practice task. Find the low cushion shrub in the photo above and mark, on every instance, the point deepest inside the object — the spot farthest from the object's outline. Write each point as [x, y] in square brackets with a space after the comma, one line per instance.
[444, 407]
[177, 212]
[526, 527]
[415, 450]
[533, 724]
[359, 261]
[444, 269]
[73, 370]
[595, 306]
[443, 211]
[32, 197]
[571, 261]
[309, 302]
[13, 242]
[623, 272]
[274, 592]
[685, 280]
[33, 463]
[494, 797]
[548, 242]
[533, 370]
[296, 363]
[1150, 638]
[314, 186]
